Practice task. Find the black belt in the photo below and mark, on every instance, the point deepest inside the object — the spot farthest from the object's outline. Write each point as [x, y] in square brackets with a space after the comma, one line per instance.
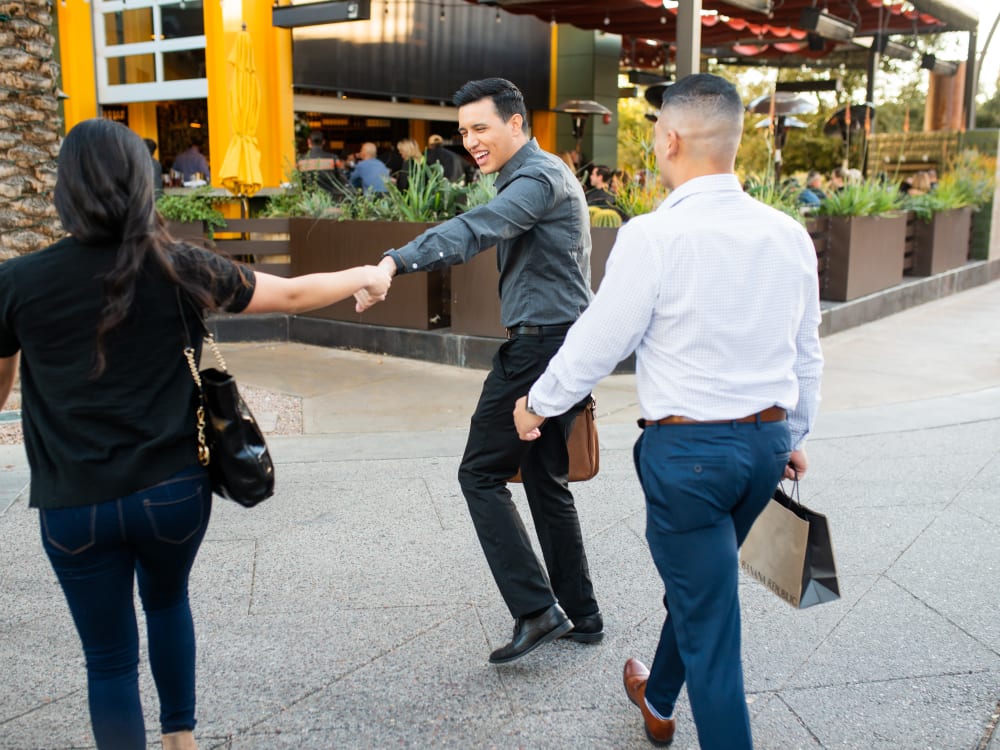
[538, 330]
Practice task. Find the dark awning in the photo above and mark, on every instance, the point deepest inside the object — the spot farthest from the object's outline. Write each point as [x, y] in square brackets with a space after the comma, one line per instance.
[733, 30]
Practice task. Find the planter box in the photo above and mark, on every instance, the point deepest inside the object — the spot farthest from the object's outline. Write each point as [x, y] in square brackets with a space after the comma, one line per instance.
[942, 243]
[475, 286]
[864, 255]
[475, 296]
[602, 239]
[819, 232]
[416, 301]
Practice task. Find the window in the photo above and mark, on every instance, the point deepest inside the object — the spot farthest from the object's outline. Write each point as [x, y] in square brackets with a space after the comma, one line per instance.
[150, 50]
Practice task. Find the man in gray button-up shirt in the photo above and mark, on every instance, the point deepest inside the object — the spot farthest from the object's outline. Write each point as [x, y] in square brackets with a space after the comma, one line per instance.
[541, 228]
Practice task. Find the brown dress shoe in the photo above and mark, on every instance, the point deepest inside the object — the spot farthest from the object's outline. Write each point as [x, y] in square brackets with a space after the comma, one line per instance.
[659, 731]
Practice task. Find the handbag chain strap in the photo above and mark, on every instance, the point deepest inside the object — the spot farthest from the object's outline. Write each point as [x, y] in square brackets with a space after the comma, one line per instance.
[204, 454]
[210, 340]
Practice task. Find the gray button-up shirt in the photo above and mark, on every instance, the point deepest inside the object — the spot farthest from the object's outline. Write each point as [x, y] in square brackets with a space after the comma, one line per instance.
[541, 228]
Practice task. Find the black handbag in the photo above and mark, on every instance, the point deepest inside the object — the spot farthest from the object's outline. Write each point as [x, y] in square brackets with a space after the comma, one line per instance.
[230, 442]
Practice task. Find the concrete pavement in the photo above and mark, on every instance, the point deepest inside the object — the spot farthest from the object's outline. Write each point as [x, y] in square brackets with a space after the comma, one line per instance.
[354, 609]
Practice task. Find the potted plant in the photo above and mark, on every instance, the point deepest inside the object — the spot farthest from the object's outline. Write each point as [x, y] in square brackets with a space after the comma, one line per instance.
[192, 215]
[941, 226]
[866, 240]
[363, 225]
[980, 171]
[301, 195]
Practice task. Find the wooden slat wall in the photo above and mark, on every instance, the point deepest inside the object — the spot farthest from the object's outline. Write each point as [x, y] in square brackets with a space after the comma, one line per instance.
[263, 243]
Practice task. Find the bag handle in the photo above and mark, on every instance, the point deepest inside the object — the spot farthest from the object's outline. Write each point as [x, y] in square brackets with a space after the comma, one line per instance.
[792, 496]
[204, 454]
[206, 336]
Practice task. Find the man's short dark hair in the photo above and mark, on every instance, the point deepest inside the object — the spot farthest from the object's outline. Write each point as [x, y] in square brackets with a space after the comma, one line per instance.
[316, 138]
[507, 98]
[604, 172]
[150, 144]
[700, 89]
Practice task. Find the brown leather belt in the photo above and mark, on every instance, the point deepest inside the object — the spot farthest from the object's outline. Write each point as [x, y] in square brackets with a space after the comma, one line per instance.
[771, 414]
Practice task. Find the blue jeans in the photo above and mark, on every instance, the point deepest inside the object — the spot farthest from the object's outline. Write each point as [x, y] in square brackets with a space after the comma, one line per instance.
[705, 484]
[96, 551]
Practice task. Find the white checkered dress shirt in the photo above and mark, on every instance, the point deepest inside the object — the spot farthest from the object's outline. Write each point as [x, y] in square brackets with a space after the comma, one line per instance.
[718, 296]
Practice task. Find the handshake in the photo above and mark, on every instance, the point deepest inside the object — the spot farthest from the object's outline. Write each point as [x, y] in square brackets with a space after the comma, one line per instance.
[376, 288]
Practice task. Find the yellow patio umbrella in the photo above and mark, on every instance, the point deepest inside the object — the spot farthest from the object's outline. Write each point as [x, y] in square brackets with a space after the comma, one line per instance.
[240, 172]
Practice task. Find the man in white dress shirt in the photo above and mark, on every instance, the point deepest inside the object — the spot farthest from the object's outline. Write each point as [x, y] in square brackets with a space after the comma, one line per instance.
[717, 294]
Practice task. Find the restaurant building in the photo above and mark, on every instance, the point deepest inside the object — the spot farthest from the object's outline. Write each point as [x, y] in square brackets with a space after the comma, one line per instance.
[160, 67]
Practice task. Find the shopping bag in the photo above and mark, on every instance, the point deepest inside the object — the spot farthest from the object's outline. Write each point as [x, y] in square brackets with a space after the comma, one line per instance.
[789, 550]
[582, 445]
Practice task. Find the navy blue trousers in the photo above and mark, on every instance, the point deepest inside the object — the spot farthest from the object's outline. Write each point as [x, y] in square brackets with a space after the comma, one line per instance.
[704, 486]
[98, 552]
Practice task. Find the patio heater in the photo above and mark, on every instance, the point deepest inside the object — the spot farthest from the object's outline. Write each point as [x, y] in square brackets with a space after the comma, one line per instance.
[780, 106]
[580, 110]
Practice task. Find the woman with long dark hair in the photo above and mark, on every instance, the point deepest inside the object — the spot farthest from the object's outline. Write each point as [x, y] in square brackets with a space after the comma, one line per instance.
[108, 410]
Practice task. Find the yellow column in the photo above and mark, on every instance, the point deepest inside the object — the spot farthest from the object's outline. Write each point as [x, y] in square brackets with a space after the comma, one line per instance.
[142, 119]
[76, 56]
[543, 124]
[272, 48]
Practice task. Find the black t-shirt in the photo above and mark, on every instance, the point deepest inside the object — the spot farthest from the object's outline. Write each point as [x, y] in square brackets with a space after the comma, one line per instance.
[90, 440]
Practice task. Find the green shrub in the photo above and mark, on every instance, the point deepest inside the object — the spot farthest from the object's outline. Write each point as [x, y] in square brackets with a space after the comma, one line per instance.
[481, 191]
[635, 198]
[429, 196]
[197, 205]
[866, 198]
[975, 173]
[301, 196]
[782, 197]
[949, 194]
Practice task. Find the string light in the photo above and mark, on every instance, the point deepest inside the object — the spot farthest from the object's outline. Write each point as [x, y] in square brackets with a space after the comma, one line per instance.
[441, 17]
[607, 20]
[498, 16]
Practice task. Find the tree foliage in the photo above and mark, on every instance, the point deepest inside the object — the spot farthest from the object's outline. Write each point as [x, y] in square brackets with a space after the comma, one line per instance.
[988, 113]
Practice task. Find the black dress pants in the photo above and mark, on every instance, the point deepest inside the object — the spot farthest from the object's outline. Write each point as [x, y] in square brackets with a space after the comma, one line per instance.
[493, 454]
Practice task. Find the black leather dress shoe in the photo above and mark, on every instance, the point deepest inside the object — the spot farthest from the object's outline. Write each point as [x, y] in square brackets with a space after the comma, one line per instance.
[532, 632]
[587, 629]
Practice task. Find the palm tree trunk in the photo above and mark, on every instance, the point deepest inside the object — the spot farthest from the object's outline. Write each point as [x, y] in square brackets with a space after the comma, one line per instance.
[29, 128]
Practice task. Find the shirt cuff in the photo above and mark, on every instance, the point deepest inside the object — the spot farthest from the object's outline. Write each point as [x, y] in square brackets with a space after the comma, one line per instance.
[548, 398]
[397, 259]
